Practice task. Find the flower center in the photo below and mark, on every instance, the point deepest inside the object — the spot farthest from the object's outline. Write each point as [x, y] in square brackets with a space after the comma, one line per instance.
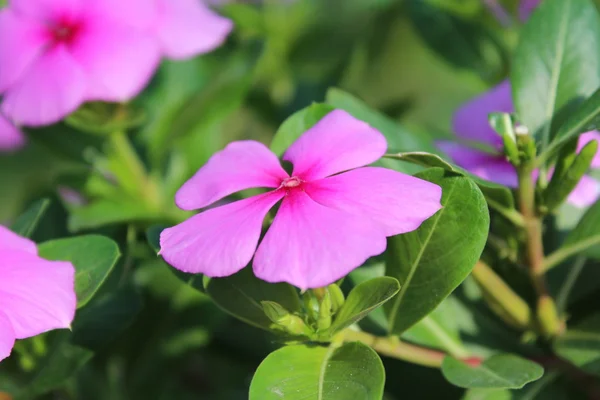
[292, 182]
[64, 31]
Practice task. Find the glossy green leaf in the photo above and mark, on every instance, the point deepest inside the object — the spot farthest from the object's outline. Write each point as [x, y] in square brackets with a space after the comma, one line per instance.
[581, 345]
[496, 195]
[296, 125]
[352, 371]
[107, 212]
[93, 256]
[27, 222]
[556, 63]
[433, 260]
[488, 394]
[240, 295]
[501, 371]
[363, 299]
[585, 118]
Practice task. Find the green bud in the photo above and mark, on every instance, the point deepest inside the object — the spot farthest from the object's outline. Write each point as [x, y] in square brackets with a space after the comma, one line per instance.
[548, 317]
[283, 320]
[337, 297]
[311, 304]
[503, 124]
[525, 144]
[570, 168]
[324, 320]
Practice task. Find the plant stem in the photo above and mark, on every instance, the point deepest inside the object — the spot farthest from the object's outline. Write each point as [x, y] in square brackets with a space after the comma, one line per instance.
[547, 316]
[503, 300]
[563, 253]
[393, 347]
[565, 290]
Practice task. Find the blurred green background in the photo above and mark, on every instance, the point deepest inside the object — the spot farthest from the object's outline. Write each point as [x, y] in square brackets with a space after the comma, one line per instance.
[415, 61]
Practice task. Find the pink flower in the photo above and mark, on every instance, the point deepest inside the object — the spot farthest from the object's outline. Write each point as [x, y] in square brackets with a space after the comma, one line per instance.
[11, 138]
[57, 54]
[328, 223]
[471, 124]
[36, 295]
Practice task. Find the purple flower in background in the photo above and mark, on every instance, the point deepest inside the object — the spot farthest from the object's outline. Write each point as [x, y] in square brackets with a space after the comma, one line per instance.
[329, 221]
[36, 295]
[526, 7]
[471, 124]
[57, 54]
[11, 138]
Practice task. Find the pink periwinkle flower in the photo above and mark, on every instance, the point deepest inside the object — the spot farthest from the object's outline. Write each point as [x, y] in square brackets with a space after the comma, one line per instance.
[470, 123]
[36, 295]
[329, 221]
[11, 138]
[57, 54]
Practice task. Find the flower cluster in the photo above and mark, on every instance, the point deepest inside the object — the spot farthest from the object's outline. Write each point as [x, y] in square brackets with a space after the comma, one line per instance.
[58, 54]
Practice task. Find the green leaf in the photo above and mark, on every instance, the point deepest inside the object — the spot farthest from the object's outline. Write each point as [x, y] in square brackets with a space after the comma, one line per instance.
[488, 394]
[363, 299]
[583, 239]
[501, 371]
[105, 118]
[353, 371]
[581, 345]
[296, 125]
[27, 222]
[93, 256]
[107, 211]
[240, 295]
[556, 63]
[433, 260]
[497, 195]
[585, 118]
[398, 138]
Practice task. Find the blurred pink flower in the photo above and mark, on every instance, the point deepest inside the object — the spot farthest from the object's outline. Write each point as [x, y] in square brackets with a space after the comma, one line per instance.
[329, 221]
[36, 295]
[11, 138]
[470, 123]
[57, 54]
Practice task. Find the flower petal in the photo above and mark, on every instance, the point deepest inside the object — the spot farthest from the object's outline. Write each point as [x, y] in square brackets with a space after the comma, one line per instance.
[338, 142]
[21, 42]
[11, 241]
[186, 28]
[241, 165]
[140, 14]
[52, 88]
[471, 119]
[7, 336]
[45, 10]
[36, 295]
[220, 241]
[399, 203]
[104, 50]
[493, 168]
[585, 193]
[310, 245]
[584, 139]
[10, 137]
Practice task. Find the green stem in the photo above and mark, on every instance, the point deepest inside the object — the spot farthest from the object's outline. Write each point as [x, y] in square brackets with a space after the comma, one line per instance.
[503, 300]
[512, 215]
[393, 347]
[547, 316]
[565, 290]
[564, 253]
[450, 344]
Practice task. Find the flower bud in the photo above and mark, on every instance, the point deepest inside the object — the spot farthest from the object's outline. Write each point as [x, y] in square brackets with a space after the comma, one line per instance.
[282, 318]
